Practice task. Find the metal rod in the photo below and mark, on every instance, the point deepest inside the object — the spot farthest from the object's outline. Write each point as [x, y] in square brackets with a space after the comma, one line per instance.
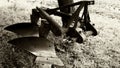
[64, 14]
[56, 29]
[75, 15]
[88, 26]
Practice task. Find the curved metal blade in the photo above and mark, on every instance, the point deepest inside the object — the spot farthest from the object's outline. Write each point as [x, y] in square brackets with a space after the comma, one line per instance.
[41, 47]
[34, 45]
[24, 29]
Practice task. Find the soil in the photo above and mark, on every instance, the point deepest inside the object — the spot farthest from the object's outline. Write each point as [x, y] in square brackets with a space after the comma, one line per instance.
[101, 51]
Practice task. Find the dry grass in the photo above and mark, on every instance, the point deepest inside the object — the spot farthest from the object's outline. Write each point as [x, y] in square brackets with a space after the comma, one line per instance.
[101, 51]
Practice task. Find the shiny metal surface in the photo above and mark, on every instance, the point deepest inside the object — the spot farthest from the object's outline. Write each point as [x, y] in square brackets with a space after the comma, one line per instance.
[34, 45]
[41, 47]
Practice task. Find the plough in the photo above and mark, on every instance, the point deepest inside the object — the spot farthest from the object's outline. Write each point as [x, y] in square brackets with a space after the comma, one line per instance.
[34, 36]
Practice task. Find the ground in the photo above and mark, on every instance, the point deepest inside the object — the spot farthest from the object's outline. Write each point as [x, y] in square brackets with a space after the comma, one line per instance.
[101, 51]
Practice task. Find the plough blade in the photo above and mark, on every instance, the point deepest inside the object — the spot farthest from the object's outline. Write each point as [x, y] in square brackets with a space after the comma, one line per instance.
[40, 47]
[24, 29]
[34, 45]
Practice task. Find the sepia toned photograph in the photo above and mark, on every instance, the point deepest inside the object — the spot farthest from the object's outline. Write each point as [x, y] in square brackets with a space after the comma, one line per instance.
[59, 33]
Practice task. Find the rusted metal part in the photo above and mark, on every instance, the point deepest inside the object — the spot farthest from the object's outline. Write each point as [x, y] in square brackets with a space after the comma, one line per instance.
[55, 28]
[24, 29]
